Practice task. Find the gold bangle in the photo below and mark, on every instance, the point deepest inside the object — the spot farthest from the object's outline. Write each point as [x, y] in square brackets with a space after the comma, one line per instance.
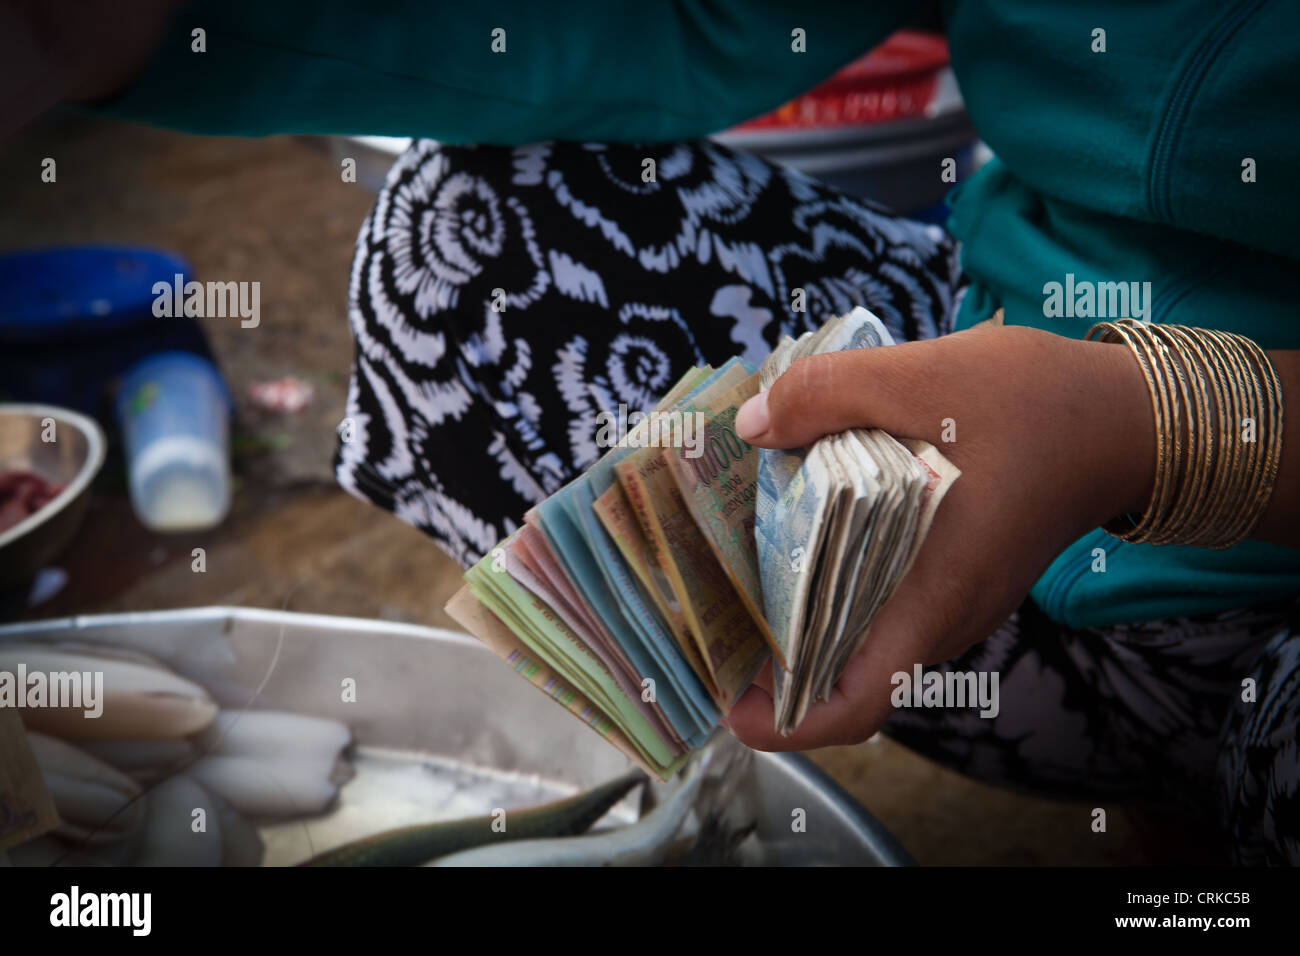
[1270, 454]
[1188, 439]
[1171, 488]
[1212, 481]
[1211, 394]
[1242, 457]
[1126, 526]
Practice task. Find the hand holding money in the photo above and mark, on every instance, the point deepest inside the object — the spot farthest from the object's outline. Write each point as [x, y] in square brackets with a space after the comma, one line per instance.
[1052, 438]
[647, 594]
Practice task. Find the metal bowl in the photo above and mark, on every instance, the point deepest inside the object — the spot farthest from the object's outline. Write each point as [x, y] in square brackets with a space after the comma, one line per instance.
[437, 720]
[71, 459]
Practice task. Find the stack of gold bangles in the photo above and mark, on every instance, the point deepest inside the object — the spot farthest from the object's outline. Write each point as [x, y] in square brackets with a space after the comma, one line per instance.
[1218, 415]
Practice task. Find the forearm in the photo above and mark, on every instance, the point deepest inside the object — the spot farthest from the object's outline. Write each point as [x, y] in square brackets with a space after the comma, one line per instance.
[36, 81]
[55, 51]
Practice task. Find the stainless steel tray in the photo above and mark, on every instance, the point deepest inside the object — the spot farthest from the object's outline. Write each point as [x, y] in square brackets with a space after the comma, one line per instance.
[441, 726]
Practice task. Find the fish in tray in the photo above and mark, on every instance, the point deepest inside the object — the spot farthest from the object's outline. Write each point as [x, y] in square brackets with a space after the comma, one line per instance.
[695, 821]
[413, 845]
[644, 843]
[689, 826]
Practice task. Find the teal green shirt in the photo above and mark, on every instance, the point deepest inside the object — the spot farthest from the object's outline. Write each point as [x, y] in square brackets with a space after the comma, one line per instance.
[1160, 150]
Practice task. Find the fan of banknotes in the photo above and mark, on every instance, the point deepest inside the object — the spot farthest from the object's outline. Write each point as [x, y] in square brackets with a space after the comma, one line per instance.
[646, 595]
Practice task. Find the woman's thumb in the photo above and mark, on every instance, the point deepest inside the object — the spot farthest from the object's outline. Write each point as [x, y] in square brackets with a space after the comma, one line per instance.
[818, 395]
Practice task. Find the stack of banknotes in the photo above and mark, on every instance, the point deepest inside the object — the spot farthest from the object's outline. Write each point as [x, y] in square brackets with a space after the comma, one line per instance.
[647, 594]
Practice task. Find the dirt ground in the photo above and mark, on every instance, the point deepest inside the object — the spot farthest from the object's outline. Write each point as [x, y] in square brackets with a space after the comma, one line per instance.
[275, 210]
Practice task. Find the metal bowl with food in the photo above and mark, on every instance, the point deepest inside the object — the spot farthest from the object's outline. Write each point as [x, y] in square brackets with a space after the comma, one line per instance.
[437, 734]
[48, 458]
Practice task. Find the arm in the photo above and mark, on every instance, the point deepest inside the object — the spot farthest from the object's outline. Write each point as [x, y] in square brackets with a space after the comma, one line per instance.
[54, 54]
[571, 70]
[1054, 437]
[1111, 417]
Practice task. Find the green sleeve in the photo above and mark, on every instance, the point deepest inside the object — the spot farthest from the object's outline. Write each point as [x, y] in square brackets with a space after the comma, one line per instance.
[648, 71]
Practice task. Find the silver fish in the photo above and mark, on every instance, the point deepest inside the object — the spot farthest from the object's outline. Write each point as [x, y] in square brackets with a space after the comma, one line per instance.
[414, 845]
[644, 843]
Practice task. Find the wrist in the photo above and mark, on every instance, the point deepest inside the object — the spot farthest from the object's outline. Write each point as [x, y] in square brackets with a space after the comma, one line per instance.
[1126, 452]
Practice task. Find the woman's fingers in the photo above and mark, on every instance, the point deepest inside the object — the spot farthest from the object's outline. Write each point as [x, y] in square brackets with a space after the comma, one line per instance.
[845, 718]
[859, 703]
[936, 612]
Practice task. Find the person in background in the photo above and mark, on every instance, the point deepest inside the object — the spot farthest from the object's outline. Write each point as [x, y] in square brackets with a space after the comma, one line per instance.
[1134, 143]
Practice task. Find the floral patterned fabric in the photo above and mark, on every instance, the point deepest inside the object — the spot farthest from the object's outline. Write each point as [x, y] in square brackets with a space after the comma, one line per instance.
[463, 416]
[502, 297]
[1195, 714]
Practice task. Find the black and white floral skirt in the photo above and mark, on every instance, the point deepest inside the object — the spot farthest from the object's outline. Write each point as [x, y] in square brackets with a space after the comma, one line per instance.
[502, 297]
